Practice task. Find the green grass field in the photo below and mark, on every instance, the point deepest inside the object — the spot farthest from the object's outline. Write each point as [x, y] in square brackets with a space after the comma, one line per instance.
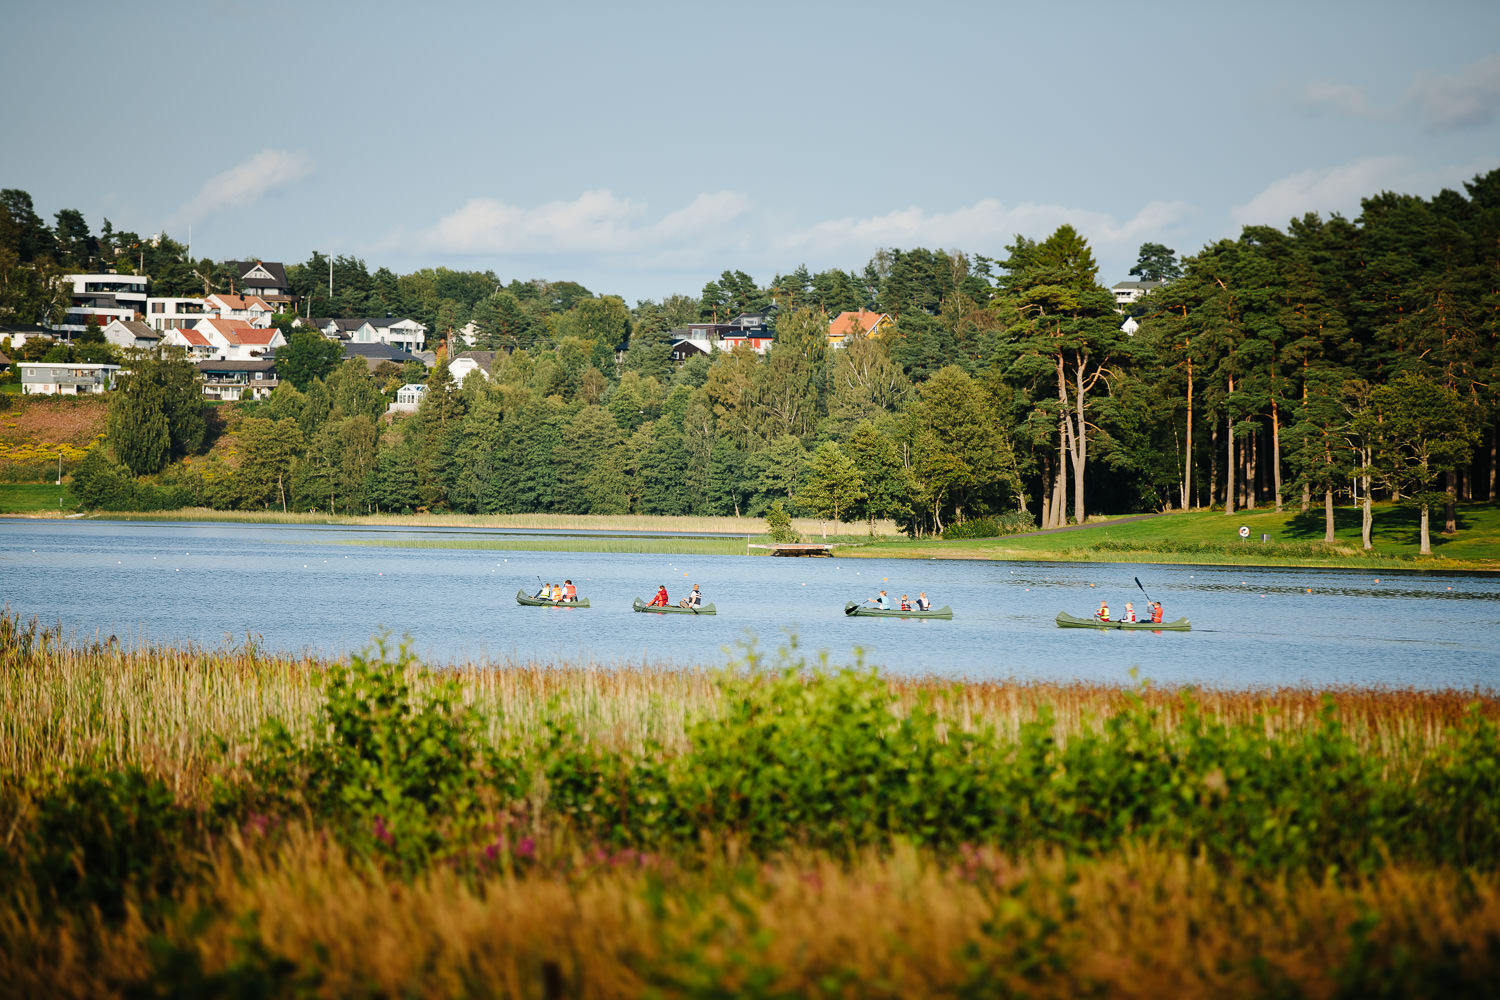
[1209, 537]
[36, 498]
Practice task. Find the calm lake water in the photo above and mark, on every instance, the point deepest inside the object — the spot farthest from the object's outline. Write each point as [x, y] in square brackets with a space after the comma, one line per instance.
[330, 589]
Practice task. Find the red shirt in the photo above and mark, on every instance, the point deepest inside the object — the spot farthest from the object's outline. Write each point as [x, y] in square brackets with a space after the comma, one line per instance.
[660, 600]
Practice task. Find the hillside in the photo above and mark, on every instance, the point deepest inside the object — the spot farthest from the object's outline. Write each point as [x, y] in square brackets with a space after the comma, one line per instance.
[34, 430]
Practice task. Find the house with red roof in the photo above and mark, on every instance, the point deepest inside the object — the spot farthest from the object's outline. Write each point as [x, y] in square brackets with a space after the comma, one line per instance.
[250, 308]
[237, 340]
[863, 323]
[196, 344]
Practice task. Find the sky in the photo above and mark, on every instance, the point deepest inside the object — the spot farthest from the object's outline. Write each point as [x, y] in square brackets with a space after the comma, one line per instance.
[641, 149]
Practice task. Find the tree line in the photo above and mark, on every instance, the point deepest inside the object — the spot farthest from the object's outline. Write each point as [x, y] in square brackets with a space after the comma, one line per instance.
[1337, 358]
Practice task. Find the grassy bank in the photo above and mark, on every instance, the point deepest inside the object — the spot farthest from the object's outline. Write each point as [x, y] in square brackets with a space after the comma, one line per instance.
[302, 827]
[1210, 537]
[661, 524]
[37, 498]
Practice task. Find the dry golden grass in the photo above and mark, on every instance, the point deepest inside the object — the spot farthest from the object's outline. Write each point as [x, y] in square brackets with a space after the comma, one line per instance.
[168, 707]
[71, 420]
[1140, 923]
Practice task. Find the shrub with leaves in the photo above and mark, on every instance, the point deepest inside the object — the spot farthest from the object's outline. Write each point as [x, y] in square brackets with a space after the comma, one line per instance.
[389, 766]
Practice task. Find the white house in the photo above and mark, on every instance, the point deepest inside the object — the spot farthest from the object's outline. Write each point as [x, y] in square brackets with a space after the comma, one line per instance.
[250, 308]
[131, 333]
[195, 343]
[466, 362]
[408, 398]
[231, 380]
[102, 297]
[40, 378]
[237, 340]
[265, 279]
[403, 334]
[168, 313]
[1126, 292]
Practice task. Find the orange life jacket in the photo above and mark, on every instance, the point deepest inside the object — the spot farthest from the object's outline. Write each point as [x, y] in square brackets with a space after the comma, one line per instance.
[570, 592]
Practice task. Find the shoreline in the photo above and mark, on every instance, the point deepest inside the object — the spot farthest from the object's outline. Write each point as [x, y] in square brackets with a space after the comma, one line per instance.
[1175, 538]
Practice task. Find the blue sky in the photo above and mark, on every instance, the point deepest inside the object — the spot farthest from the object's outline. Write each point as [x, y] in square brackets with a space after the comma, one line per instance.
[642, 149]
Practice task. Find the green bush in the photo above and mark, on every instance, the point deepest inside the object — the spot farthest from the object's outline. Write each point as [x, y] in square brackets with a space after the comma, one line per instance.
[101, 835]
[393, 771]
[993, 526]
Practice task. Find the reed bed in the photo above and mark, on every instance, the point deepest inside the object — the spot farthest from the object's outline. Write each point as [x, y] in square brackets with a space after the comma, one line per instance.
[298, 917]
[64, 701]
[194, 821]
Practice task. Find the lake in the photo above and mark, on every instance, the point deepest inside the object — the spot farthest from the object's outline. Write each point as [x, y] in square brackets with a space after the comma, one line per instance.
[329, 589]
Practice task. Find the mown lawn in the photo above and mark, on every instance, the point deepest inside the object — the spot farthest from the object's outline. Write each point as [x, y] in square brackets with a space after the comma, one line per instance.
[1212, 537]
[33, 498]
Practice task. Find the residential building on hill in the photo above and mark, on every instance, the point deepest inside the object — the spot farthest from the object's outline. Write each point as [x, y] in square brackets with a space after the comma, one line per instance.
[374, 355]
[861, 323]
[466, 362]
[232, 380]
[194, 343]
[266, 280]
[131, 333]
[172, 313]
[40, 378]
[19, 333]
[1127, 292]
[250, 308]
[408, 398]
[237, 340]
[403, 334]
[102, 297]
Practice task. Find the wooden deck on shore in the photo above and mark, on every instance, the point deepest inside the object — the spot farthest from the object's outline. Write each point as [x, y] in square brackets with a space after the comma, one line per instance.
[802, 550]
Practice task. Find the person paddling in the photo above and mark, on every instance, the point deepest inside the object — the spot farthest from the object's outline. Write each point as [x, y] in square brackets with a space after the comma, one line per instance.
[923, 604]
[693, 600]
[660, 600]
[1103, 613]
[1156, 612]
[905, 603]
[880, 601]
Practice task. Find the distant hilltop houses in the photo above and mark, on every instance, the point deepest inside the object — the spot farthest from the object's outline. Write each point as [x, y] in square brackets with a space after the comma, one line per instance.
[230, 335]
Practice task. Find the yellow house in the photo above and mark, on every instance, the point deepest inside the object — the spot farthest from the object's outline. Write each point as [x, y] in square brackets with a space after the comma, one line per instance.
[849, 324]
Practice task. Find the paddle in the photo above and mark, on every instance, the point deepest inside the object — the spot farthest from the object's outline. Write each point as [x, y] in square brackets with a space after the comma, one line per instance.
[1143, 589]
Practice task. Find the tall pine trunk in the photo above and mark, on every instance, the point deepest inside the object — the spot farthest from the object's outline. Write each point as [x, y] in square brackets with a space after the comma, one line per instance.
[1252, 470]
[1229, 465]
[1450, 509]
[1187, 466]
[1080, 448]
[1276, 452]
[1213, 463]
[1328, 516]
[1367, 517]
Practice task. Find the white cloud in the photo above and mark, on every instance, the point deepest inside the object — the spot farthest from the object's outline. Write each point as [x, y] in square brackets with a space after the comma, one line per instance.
[1334, 189]
[1340, 100]
[986, 224]
[1465, 99]
[248, 182]
[594, 222]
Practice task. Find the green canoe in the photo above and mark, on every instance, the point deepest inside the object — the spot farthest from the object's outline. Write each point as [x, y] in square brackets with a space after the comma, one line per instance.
[860, 611]
[672, 609]
[1065, 620]
[539, 602]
